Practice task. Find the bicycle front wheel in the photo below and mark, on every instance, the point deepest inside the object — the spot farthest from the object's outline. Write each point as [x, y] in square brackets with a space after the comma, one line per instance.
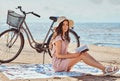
[74, 42]
[11, 44]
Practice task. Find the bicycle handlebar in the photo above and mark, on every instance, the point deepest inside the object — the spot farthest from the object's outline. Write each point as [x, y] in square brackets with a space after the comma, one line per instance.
[25, 13]
[35, 14]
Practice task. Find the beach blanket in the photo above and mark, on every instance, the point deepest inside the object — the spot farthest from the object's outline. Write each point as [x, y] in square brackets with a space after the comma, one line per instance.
[33, 71]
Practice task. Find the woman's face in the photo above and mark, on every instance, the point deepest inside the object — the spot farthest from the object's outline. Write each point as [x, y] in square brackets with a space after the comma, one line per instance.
[65, 26]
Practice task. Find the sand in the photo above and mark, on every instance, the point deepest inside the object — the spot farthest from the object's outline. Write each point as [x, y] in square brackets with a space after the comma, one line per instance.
[105, 55]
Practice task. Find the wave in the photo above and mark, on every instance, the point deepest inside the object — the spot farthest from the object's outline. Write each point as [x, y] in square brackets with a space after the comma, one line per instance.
[101, 34]
[108, 44]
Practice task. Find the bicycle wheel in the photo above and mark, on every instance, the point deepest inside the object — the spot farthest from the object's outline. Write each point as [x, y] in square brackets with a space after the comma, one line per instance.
[74, 42]
[11, 44]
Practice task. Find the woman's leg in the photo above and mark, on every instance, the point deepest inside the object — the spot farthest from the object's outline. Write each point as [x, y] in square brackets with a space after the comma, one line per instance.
[87, 59]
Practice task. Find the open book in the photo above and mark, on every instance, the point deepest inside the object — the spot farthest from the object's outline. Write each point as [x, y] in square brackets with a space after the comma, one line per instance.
[82, 48]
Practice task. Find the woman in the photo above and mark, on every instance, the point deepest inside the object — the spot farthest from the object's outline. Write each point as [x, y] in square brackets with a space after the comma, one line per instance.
[63, 60]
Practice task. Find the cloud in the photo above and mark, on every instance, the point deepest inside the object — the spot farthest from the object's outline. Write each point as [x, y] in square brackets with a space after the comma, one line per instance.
[115, 2]
[81, 10]
[97, 1]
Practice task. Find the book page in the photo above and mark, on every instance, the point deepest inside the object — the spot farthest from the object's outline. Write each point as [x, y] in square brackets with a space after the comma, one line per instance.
[82, 48]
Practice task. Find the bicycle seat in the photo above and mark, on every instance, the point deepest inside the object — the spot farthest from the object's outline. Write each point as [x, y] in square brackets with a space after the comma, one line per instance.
[53, 18]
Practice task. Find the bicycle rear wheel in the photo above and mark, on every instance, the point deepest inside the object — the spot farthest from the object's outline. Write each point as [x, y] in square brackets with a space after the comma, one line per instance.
[11, 44]
[74, 42]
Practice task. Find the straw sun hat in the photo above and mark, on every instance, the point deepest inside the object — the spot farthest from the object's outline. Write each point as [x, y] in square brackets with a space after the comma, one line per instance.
[61, 19]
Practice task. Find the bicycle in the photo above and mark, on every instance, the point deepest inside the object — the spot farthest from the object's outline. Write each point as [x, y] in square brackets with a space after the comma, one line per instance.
[12, 39]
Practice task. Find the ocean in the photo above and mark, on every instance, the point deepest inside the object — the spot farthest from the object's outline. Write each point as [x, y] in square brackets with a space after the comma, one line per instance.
[100, 34]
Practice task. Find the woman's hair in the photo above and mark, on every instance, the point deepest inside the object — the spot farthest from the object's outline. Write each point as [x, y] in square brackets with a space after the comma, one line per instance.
[59, 31]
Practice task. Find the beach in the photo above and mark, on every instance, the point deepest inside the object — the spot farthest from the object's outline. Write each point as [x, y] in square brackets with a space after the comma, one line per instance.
[96, 24]
[105, 55]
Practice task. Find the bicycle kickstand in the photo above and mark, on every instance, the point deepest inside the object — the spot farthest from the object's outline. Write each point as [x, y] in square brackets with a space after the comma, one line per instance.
[44, 57]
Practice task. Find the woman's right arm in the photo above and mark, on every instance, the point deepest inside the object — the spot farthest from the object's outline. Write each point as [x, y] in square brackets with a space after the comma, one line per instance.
[58, 45]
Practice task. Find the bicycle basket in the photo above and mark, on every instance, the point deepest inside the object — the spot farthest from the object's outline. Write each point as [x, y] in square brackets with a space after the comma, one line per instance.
[14, 19]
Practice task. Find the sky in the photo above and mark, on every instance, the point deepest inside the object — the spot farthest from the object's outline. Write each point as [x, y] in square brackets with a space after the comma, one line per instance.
[78, 10]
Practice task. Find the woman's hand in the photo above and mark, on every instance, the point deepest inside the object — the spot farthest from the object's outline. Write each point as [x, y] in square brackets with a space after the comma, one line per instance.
[76, 55]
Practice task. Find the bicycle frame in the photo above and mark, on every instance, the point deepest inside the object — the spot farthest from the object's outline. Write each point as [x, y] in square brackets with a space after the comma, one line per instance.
[30, 36]
[15, 38]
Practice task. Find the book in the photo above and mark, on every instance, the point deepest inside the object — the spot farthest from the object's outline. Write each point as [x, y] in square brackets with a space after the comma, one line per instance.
[82, 48]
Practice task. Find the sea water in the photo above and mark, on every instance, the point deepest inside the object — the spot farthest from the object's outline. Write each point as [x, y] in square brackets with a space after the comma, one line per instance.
[101, 34]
